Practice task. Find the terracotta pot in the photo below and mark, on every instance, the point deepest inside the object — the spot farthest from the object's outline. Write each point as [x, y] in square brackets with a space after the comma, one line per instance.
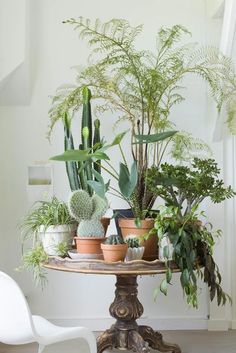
[113, 253]
[128, 228]
[89, 245]
[105, 222]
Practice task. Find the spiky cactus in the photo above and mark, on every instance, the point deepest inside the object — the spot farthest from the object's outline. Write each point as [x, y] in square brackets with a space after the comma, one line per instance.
[87, 211]
[114, 240]
[133, 242]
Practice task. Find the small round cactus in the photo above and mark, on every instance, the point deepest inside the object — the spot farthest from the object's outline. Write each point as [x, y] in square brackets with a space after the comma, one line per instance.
[87, 211]
[133, 242]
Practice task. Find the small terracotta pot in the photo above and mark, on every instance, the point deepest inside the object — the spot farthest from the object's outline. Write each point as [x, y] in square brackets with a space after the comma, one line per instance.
[113, 253]
[89, 245]
[105, 222]
[128, 227]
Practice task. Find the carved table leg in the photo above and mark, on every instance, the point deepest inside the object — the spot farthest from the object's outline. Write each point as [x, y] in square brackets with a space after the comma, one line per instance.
[125, 334]
[155, 340]
[106, 340]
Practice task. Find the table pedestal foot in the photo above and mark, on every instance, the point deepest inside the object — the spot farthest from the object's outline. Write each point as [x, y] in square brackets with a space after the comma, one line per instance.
[106, 340]
[125, 334]
[155, 340]
[136, 343]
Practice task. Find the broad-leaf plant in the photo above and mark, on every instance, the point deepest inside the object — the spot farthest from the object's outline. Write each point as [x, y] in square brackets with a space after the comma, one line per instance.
[184, 188]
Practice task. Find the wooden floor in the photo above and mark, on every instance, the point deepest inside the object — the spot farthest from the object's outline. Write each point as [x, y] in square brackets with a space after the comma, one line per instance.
[189, 341]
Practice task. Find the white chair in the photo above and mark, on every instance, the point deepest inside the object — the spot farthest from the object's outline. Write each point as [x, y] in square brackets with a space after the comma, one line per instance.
[18, 326]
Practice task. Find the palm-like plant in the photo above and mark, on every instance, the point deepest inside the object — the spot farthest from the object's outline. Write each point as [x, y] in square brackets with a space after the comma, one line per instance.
[142, 86]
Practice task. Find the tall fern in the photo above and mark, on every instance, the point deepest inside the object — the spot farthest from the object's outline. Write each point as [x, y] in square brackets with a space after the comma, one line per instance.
[143, 86]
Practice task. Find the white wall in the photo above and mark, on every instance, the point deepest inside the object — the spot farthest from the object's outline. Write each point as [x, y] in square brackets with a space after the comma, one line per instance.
[22, 136]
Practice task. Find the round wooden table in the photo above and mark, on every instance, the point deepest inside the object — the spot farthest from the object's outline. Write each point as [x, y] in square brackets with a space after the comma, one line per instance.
[125, 334]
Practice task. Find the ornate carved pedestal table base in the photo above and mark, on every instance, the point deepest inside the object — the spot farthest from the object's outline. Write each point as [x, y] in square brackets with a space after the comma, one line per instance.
[125, 334]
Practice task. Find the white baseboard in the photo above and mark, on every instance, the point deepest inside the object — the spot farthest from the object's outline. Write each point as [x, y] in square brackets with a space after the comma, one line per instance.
[218, 325]
[233, 326]
[101, 324]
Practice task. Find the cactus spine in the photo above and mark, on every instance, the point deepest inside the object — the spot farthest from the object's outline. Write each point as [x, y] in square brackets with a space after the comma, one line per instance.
[87, 211]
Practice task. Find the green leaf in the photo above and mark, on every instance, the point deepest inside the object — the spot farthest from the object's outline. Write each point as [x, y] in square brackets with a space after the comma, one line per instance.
[117, 140]
[73, 155]
[155, 293]
[168, 275]
[166, 252]
[137, 222]
[185, 278]
[98, 155]
[127, 180]
[99, 188]
[141, 139]
[163, 286]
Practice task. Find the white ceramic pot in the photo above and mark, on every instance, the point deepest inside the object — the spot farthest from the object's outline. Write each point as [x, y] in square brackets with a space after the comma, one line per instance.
[134, 253]
[165, 241]
[52, 236]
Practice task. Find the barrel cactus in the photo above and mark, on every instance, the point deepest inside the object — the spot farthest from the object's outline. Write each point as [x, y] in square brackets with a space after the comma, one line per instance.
[88, 211]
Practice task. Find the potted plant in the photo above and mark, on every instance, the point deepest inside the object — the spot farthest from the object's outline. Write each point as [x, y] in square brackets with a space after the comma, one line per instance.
[49, 223]
[88, 210]
[134, 251]
[183, 189]
[142, 87]
[114, 249]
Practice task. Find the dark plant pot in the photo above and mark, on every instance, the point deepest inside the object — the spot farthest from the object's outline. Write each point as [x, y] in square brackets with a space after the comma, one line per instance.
[122, 213]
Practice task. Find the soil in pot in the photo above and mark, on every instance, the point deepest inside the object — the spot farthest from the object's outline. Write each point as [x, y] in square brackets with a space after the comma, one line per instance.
[129, 228]
[113, 253]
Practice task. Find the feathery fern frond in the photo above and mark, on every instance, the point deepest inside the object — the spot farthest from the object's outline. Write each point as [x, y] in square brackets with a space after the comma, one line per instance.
[185, 147]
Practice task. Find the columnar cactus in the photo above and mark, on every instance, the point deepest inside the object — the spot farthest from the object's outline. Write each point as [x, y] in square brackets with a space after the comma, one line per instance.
[87, 211]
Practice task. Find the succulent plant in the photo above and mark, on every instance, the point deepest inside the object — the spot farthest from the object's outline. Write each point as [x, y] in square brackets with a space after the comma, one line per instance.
[114, 240]
[87, 211]
[133, 242]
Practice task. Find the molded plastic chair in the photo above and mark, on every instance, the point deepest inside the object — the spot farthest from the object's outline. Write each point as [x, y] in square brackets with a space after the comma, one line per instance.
[18, 326]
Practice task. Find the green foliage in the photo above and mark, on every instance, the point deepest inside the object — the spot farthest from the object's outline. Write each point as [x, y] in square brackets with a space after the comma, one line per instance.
[87, 211]
[143, 87]
[133, 242]
[185, 147]
[114, 240]
[79, 170]
[32, 260]
[45, 213]
[193, 245]
[62, 249]
[127, 179]
[182, 186]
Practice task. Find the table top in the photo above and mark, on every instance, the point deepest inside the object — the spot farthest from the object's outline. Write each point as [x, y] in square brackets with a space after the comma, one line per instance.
[136, 267]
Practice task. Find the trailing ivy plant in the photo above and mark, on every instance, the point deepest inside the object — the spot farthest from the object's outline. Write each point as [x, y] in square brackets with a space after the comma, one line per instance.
[142, 87]
[193, 244]
[183, 189]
